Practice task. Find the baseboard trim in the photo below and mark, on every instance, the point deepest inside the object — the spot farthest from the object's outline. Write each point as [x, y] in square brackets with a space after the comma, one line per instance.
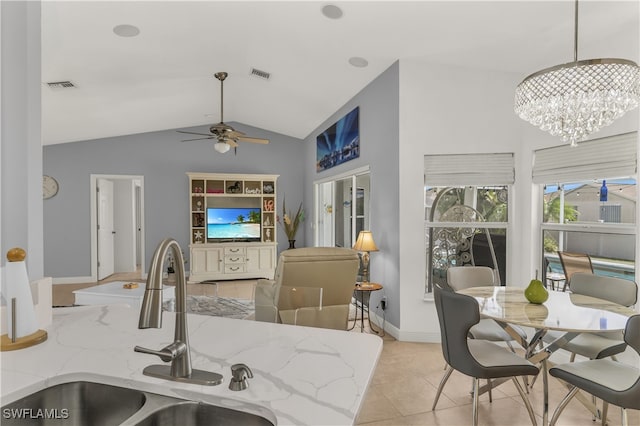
[72, 280]
[404, 336]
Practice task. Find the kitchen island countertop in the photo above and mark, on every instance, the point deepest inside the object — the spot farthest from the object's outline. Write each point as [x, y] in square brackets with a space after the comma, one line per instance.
[302, 375]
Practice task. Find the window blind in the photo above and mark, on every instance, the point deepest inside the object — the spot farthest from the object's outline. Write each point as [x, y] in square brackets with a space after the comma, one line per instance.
[609, 157]
[469, 169]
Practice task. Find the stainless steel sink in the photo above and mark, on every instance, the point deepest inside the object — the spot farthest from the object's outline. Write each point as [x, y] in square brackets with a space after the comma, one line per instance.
[190, 413]
[84, 403]
[75, 403]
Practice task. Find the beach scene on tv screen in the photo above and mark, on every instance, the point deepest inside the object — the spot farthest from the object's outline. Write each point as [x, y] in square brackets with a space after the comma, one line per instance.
[233, 223]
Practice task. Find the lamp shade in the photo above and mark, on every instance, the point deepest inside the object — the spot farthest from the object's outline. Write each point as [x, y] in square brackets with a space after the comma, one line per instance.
[222, 147]
[365, 242]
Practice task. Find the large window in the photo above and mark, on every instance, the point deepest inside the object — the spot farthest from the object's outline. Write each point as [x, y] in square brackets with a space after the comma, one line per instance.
[589, 203]
[595, 217]
[465, 225]
[466, 200]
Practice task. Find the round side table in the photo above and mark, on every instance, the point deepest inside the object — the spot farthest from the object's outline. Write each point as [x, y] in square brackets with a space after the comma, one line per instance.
[362, 289]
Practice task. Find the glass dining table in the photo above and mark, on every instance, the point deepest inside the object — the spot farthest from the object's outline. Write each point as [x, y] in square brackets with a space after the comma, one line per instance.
[569, 313]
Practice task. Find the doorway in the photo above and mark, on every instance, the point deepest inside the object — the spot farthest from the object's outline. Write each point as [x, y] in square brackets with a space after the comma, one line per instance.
[342, 208]
[117, 224]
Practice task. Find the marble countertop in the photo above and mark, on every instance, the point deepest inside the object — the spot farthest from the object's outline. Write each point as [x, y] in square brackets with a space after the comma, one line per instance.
[302, 375]
[561, 311]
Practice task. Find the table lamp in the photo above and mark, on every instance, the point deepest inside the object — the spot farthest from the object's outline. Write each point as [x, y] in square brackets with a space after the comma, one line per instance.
[365, 244]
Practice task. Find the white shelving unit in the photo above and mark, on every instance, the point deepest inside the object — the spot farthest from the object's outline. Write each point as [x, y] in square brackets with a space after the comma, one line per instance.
[232, 258]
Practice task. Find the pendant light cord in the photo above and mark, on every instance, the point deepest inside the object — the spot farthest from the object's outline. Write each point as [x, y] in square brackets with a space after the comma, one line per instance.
[222, 97]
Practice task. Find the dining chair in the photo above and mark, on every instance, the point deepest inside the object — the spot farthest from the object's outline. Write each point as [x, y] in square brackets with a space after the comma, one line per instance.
[614, 382]
[617, 290]
[459, 278]
[462, 277]
[552, 278]
[572, 263]
[479, 359]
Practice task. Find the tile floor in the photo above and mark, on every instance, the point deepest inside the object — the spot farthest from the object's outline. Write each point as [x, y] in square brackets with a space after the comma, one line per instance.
[407, 376]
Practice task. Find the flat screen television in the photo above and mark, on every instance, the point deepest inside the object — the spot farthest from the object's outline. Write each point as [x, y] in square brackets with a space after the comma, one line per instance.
[233, 224]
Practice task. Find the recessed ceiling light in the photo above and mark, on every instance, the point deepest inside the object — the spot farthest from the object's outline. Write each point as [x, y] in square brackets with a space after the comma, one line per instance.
[359, 62]
[126, 30]
[332, 11]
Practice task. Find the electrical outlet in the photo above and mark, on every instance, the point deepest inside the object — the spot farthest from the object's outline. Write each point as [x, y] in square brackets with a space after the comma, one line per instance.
[383, 303]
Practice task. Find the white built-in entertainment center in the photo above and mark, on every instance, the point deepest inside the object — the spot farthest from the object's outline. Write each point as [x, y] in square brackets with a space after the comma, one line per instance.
[232, 225]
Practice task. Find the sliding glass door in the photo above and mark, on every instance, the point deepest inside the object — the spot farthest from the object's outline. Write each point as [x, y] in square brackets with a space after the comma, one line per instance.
[341, 208]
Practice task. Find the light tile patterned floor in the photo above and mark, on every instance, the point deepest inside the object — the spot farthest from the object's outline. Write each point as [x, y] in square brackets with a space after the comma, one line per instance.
[407, 377]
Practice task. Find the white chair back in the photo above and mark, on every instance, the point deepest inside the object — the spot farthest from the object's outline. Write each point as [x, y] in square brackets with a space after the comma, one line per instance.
[616, 290]
[461, 277]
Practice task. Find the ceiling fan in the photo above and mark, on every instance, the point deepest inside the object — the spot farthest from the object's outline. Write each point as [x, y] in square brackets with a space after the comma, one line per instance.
[225, 135]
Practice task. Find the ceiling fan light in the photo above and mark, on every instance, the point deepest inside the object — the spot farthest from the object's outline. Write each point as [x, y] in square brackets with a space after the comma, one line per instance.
[222, 147]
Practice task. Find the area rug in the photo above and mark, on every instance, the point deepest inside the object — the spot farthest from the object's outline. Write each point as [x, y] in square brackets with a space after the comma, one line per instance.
[216, 306]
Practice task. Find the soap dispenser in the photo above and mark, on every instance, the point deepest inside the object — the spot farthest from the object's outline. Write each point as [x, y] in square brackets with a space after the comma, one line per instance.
[240, 375]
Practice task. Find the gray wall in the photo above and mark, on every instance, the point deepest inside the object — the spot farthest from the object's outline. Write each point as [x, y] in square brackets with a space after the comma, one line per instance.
[163, 161]
[379, 135]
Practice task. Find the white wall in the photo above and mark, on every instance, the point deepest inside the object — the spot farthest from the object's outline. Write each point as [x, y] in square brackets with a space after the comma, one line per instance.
[449, 110]
[445, 110]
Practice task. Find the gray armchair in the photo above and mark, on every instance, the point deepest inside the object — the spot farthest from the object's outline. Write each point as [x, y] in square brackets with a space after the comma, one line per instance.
[606, 344]
[459, 278]
[479, 359]
[462, 277]
[613, 382]
[333, 269]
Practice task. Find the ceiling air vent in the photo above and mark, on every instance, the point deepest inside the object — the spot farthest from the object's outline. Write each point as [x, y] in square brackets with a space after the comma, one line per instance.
[61, 85]
[261, 74]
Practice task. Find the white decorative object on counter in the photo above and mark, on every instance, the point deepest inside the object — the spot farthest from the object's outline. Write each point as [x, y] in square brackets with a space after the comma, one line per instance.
[16, 285]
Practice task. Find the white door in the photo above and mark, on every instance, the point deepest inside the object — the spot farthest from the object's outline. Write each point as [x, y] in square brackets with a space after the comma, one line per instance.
[106, 233]
[324, 215]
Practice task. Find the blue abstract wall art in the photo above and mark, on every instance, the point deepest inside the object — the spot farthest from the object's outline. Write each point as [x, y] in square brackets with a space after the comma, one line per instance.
[339, 143]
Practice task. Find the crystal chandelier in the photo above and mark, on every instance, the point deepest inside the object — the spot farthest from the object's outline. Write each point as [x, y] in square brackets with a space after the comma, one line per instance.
[578, 98]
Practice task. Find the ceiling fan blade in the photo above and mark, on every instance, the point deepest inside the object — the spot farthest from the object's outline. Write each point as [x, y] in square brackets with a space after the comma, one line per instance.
[235, 134]
[253, 140]
[196, 139]
[232, 143]
[193, 133]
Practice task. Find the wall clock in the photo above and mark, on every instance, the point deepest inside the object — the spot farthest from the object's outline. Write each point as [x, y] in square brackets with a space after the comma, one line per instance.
[49, 187]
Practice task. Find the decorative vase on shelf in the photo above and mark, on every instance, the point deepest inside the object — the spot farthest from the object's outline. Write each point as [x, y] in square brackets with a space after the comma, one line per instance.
[535, 292]
[292, 244]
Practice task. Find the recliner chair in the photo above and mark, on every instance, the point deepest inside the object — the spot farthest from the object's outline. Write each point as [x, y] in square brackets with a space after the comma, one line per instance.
[334, 269]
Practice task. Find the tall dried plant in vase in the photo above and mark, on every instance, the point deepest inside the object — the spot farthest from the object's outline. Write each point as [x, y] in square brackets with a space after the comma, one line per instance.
[291, 222]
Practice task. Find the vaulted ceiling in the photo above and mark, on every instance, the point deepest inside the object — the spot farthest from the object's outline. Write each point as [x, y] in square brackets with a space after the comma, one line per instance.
[163, 77]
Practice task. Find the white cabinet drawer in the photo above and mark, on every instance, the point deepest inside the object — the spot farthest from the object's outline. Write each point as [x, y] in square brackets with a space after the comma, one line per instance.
[228, 251]
[235, 269]
[233, 259]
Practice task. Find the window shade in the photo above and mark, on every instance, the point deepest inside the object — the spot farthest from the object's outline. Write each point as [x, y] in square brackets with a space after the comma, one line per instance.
[603, 158]
[469, 169]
